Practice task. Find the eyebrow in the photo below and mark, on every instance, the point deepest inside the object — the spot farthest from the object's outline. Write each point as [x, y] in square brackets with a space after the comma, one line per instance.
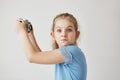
[71, 26]
[66, 27]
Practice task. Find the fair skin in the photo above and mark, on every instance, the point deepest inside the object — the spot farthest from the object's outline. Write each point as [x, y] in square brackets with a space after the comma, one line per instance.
[64, 34]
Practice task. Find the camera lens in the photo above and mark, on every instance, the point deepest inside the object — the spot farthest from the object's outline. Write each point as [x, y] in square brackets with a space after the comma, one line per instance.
[28, 25]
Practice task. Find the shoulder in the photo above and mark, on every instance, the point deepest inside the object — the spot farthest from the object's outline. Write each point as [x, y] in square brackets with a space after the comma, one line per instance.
[72, 49]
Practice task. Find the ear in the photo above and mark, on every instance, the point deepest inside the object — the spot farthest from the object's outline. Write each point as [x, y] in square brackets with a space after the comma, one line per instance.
[52, 35]
[77, 34]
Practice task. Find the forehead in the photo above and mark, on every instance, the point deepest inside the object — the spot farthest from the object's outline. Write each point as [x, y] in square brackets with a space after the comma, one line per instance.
[63, 23]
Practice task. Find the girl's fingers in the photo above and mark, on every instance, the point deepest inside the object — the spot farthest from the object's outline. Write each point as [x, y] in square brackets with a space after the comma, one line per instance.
[20, 24]
[20, 20]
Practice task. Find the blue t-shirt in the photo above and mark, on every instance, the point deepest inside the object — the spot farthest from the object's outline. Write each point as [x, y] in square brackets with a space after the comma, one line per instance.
[74, 67]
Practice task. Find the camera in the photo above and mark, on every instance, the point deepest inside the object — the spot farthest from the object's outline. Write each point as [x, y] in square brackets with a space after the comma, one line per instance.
[28, 25]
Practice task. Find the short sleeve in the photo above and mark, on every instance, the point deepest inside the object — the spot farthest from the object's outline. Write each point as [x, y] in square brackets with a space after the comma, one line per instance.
[66, 54]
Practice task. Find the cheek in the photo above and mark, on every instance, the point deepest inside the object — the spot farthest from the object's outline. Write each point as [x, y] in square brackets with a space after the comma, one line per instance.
[57, 37]
[72, 37]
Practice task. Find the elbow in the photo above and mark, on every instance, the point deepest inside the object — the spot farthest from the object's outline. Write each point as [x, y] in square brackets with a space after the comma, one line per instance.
[30, 59]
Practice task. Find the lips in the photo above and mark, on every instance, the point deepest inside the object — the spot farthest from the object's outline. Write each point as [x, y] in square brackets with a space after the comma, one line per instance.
[63, 40]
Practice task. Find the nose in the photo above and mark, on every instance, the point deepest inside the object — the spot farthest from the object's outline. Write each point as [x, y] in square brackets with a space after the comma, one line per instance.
[64, 33]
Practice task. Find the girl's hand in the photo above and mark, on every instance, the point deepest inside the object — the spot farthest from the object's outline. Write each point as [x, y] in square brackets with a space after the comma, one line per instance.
[31, 33]
[20, 26]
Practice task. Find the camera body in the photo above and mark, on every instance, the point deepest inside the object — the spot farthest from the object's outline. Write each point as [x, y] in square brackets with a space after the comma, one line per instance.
[28, 25]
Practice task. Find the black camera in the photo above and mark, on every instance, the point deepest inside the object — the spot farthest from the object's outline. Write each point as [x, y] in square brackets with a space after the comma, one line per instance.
[28, 25]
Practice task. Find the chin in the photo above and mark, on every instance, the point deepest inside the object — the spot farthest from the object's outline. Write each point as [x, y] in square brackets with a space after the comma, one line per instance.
[64, 44]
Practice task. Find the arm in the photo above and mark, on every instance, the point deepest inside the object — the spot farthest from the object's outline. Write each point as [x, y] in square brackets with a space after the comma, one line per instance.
[33, 52]
[33, 41]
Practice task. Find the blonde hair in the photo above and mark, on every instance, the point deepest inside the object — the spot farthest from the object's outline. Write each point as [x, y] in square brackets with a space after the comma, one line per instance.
[67, 16]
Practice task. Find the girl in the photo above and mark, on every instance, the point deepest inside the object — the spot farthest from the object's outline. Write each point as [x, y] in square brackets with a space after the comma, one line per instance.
[68, 57]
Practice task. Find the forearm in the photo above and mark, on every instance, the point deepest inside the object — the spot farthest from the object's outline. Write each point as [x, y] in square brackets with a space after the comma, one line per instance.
[34, 42]
[29, 43]
[28, 48]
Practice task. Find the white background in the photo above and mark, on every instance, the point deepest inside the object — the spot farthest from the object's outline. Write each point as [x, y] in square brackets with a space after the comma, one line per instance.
[99, 22]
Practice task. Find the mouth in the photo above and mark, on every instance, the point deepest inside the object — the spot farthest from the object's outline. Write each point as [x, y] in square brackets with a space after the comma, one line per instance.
[63, 40]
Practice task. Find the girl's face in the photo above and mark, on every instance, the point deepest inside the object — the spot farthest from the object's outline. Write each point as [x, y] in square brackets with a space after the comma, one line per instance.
[64, 32]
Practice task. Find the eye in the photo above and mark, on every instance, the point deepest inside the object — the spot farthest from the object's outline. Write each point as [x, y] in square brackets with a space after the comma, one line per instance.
[69, 30]
[59, 30]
